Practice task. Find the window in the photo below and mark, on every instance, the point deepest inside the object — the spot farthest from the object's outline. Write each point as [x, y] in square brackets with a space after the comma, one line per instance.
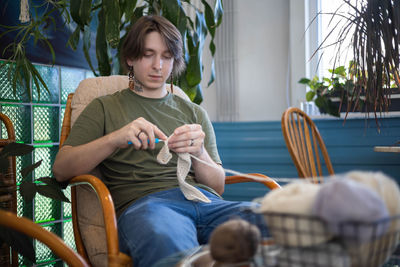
[329, 33]
[336, 50]
[38, 123]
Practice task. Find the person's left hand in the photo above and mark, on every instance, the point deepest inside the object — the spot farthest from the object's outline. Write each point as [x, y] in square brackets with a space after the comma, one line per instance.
[188, 138]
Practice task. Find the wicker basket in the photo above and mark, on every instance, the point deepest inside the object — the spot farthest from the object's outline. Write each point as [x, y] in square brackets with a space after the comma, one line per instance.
[309, 241]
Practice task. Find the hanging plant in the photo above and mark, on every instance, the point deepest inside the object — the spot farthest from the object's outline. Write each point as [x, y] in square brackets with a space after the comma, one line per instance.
[113, 19]
[33, 29]
[374, 27]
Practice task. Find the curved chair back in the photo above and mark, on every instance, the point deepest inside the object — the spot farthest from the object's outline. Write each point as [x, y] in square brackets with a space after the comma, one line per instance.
[31, 229]
[8, 181]
[305, 144]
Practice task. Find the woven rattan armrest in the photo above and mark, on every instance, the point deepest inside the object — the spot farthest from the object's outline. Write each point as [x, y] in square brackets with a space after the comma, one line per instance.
[115, 257]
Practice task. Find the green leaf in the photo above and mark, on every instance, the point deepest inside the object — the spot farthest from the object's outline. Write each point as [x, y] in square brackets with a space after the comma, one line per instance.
[183, 21]
[101, 47]
[349, 85]
[27, 191]
[112, 21]
[340, 70]
[310, 95]
[129, 8]
[212, 48]
[325, 105]
[195, 45]
[138, 13]
[332, 108]
[53, 182]
[18, 241]
[209, 17]
[86, 46]
[52, 192]
[191, 92]
[49, 181]
[36, 76]
[327, 80]
[27, 170]
[320, 103]
[73, 40]
[74, 8]
[199, 95]
[174, 12]
[171, 10]
[4, 164]
[304, 81]
[16, 149]
[84, 11]
[193, 70]
[15, 78]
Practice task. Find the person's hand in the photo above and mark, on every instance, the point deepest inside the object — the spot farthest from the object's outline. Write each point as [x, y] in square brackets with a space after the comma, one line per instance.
[140, 132]
[188, 138]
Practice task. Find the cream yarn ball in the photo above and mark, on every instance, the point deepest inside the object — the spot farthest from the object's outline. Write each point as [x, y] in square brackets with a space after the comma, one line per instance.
[386, 187]
[293, 199]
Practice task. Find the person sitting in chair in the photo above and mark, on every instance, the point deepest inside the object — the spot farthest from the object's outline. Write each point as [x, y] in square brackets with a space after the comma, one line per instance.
[117, 133]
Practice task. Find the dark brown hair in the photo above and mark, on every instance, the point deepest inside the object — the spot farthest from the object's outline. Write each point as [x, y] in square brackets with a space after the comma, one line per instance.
[133, 46]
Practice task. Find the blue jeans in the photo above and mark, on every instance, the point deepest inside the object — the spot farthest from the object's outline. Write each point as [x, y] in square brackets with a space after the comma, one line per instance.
[163, 223]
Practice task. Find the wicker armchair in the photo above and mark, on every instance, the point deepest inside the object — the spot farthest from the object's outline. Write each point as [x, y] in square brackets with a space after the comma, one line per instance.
[95, 226]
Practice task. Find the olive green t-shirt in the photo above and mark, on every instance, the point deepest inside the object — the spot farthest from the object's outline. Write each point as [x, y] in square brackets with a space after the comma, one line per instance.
[131, 174]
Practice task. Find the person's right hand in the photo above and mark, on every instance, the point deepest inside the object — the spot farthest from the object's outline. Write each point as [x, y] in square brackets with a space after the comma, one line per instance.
[140, 132]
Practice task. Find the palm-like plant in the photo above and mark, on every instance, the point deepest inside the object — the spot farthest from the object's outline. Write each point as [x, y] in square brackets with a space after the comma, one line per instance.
[113, 19]
[374, 26]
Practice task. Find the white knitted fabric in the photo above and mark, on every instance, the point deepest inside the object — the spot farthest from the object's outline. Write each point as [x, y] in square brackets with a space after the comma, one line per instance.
[182, 169]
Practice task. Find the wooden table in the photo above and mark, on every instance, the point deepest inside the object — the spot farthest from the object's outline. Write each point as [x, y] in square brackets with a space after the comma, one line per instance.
[393, 149]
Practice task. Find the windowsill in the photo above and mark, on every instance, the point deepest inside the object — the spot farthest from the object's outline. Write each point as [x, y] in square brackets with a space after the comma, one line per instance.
[357, 115]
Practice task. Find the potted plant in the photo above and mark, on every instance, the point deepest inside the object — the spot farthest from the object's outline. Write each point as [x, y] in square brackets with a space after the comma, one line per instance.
[45, 186]
[322, 92]
[374, 27]
[337, 93]
[109, 20]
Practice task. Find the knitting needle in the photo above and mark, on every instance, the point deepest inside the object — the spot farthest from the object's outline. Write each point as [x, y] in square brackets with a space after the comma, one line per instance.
[148, 141]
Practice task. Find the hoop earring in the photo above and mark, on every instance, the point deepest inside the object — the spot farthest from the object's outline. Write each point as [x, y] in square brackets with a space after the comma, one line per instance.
[172, 84]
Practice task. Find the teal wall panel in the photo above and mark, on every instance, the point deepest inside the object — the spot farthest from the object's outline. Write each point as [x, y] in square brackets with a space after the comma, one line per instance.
[260, 147]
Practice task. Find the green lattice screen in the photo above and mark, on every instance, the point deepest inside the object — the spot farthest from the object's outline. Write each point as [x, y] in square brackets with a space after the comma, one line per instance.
[38, 123]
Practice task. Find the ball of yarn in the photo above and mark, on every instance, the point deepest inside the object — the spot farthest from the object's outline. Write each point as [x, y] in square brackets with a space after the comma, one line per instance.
[346, 205]
[234, 241]
[386, 187]
[296, 198]
[281, 207]
[388, 190]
